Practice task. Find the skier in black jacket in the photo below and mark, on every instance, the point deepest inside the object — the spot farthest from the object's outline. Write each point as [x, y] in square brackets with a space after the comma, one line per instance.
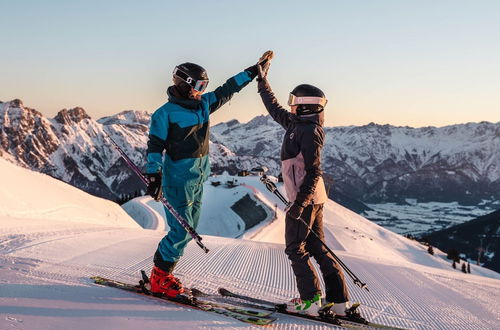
[302, 175]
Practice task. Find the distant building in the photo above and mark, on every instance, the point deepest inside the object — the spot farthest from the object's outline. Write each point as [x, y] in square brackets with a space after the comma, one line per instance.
[259, 170]
[231, 183]
[243, 173]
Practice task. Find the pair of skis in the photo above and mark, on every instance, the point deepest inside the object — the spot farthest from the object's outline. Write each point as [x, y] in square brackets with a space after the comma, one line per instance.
[243, 308]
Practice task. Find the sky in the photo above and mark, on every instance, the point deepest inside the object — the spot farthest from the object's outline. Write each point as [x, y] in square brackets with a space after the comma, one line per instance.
[399, 62]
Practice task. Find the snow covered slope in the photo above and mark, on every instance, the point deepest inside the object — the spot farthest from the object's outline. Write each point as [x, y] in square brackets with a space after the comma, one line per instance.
[218, 219]
[45, 263]
[345, 230]
[25, 194]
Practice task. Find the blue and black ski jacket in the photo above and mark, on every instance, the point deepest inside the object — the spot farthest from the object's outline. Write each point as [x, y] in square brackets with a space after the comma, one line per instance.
[181, 128]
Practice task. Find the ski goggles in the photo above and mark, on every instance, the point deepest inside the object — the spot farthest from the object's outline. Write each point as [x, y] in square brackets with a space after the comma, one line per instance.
[297, 100]
[198, 85]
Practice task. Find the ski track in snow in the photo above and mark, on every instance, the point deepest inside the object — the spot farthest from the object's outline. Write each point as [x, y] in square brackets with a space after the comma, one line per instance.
[46, 259]
[399, 296]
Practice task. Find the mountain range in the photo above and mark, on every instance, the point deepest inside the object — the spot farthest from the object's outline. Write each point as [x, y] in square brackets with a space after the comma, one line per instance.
[371, 163]
[384, 163]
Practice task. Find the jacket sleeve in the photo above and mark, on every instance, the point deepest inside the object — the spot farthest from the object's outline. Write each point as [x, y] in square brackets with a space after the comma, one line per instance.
[311, 143]
[224, 93]
[158, 132]
[279, 114]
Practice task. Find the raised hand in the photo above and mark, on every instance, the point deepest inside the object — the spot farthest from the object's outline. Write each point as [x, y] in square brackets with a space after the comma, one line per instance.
[264, 63]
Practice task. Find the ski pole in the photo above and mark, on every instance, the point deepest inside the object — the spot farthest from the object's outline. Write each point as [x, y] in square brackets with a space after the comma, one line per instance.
[190, 230]
[271, 186]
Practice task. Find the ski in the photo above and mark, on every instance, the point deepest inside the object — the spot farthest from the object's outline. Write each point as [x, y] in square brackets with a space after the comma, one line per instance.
[235, 312]
[326, 315]
[255, 303]
[256, 310]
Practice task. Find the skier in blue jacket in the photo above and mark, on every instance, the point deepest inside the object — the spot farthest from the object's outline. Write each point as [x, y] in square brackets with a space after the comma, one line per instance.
[181, 128]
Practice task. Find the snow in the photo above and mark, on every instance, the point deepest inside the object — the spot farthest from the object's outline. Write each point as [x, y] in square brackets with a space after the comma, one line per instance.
[218, 218]
[53, 237]
[31, 195]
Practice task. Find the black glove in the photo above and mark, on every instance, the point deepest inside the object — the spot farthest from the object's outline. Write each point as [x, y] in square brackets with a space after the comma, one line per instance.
[252, 71]
[263, 64]
[295, 211]
[154, 186]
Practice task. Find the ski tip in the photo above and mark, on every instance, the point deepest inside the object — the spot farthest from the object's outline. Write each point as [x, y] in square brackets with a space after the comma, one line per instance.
[197, 293]
[224, 292]
[280, 307]
[97, 279]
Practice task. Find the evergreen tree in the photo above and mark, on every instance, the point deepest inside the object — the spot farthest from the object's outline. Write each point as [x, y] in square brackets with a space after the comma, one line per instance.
[454, 265]
[453, 254]
[430, 250]
[468, 267]
[463, 268]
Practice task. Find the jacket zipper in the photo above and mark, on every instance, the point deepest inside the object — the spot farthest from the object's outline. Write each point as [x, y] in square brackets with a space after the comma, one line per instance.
[293, 175]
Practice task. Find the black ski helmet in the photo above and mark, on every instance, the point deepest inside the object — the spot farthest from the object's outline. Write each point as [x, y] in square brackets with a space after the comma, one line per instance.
[192, 75]
[308, 98]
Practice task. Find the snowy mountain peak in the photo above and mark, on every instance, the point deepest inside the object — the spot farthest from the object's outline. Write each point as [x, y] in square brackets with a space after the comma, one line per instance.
[26, 136]
[16, 103]
[74, 115]
[15, 109]
[72, 146]
[128, 117]
[260, 120]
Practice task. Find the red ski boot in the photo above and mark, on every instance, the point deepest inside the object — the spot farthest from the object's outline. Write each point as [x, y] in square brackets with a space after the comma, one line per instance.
[165, 283]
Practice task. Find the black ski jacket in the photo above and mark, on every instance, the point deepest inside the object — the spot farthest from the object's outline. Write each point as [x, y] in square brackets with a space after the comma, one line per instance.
[300, 152]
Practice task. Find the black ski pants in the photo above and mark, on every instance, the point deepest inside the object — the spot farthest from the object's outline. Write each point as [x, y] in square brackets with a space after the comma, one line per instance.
[300, 245]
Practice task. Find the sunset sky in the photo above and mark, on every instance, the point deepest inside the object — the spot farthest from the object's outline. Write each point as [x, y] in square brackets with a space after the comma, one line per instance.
[414, 63]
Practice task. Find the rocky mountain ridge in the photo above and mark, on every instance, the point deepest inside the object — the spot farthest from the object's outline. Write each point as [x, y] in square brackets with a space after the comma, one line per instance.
[371, 163]
[381, 163]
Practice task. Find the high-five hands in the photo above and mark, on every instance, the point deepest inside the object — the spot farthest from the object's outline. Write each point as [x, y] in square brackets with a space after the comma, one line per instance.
[263, 64]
